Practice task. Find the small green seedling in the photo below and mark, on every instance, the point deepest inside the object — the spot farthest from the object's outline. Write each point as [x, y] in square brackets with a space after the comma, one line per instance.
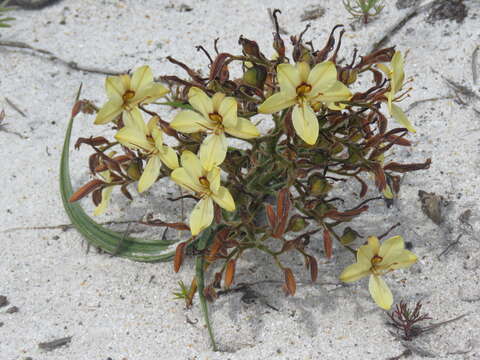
[364, 8]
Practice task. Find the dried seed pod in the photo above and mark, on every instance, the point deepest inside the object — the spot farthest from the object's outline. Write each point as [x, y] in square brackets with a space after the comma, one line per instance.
[250, 47]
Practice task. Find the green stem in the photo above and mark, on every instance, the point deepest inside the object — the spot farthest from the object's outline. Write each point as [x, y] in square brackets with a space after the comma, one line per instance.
[199, 268]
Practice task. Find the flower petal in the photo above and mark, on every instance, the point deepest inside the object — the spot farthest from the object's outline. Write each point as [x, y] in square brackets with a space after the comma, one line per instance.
[156, 133]
[244, 129]
[109, 112]
[102, 207]
[200, 101]
[391, 245]
[228, 110]
[115, 87]
[213, 177]
[217, 99]
[150, 173]
[401, 118]
[374, 244]
[289, 78]
[337, 92]
[365, 255]
[277, 102]
[134, 119]
[188, 121]
[303, 70]
[380, 292]
[141, 78]
[183, 178]
[224, 198]
[355, 272]
[168, 156]
[398, 75]
[385, 69]
[149, 93]
[402, 260]
[191, 163]
[201, 216]
[322, 77]
[132, 137]
[305, 123]
[213, 150]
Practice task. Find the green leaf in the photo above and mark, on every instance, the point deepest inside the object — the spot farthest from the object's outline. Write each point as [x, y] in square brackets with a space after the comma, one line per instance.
[110, 241]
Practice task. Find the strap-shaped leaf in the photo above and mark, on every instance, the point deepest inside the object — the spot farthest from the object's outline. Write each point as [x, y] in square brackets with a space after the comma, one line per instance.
[110, 241]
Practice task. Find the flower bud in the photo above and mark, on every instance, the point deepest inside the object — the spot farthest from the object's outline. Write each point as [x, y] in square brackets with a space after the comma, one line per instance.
[297, 223]
[348, 76]
[349, 236]
[318, 185]
[337, 148]
[255, 76]
[322, 208]
[133, 170]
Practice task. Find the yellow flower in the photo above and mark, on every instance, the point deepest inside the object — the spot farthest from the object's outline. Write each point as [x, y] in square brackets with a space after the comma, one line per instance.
[137, 135]
[396, 75]
[306, 90]
[206, 184]
[125, 93]
[376, 260]
[217, 115]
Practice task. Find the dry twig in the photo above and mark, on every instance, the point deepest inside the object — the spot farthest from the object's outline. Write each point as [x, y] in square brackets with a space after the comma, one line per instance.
[52, 57]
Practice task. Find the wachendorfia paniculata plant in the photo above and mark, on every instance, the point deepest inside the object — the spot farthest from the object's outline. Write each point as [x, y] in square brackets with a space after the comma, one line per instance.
[319, 133]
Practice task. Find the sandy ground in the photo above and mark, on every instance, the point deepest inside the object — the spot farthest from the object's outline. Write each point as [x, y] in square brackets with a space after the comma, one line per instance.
[117, 309]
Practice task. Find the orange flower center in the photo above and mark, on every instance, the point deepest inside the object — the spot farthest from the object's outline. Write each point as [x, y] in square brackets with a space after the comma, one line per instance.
[204, 181]
[129, 94]
[303, 89]
[376, 260]
[216, 117]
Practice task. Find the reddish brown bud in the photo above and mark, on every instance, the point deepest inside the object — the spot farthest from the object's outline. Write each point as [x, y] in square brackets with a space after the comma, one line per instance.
[290, 283]
[179, 256]
[327, 244]
[229, 273]
[86, 189]
[272, 219]
[313, 266]
[346, 215]
[403, 168]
